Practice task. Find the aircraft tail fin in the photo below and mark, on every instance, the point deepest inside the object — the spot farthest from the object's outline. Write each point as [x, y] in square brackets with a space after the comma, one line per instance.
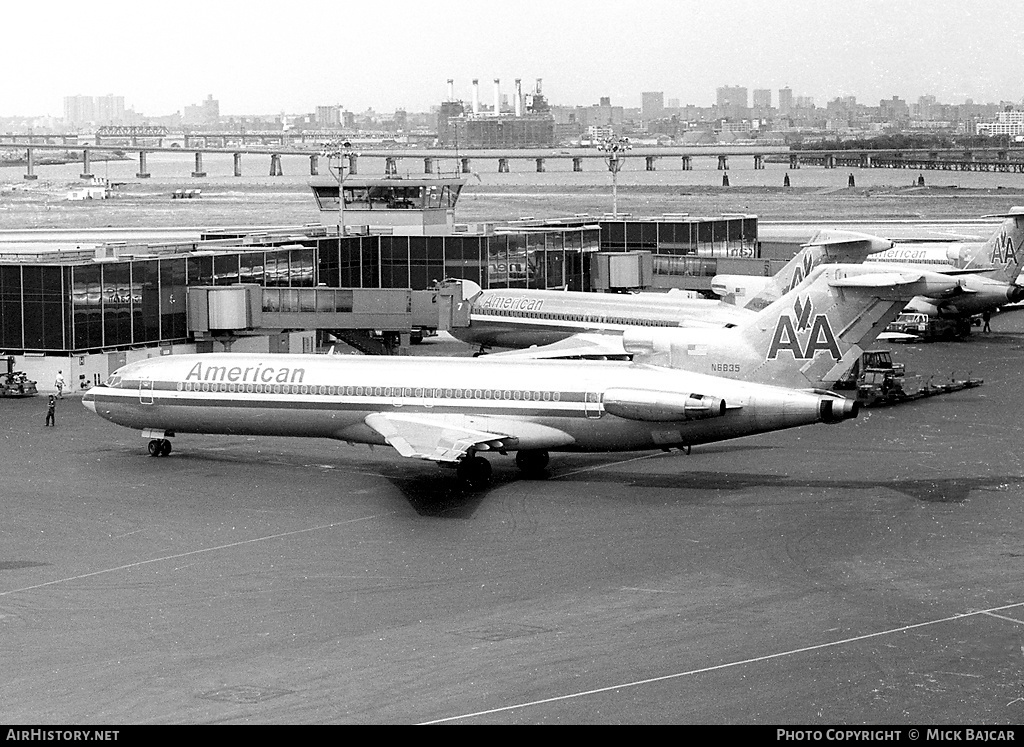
[807, 339]
[829, 246]
[1004, 250]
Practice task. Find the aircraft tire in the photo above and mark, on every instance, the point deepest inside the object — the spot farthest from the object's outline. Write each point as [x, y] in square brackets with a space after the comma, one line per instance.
[532, 462]
[155, 447]
[165, 448]
[474, 472]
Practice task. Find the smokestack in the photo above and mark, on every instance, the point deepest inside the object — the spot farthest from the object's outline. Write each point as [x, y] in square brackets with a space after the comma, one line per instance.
[519, 97]
[451, 90]
[538, 86]
[476, 95]
[497, 97]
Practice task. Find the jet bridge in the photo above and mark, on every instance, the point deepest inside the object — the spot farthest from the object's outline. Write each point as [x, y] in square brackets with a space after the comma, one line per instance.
[394, 314]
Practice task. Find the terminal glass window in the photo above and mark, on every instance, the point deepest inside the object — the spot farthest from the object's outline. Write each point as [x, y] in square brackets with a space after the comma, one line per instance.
[250, 268]
[462, 257]
[225, 269]
[173, 297]
[200, 270]
[574, 261]
[497, 261]
[300, 273]
[117, 305]
[146, 304]
[88, 318]
[613, 235]
[394, 261]
[328, 255]
[10, 307]
[44, 309]
[535, 260]
[517, 264]
[276, 269]
[370, 250]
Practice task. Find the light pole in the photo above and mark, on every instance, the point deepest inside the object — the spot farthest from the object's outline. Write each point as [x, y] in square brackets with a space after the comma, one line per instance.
[616, 154]
[342, 151]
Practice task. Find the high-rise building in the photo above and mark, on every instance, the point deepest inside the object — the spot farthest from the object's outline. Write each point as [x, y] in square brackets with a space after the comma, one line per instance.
[731, 102]
[79, 110]
[652, 105]
[206, 113]
[109, 109]
[785, 100]
[328, 117]
[762, 99]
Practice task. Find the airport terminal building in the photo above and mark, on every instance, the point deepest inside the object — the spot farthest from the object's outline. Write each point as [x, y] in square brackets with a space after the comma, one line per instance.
[86, 312]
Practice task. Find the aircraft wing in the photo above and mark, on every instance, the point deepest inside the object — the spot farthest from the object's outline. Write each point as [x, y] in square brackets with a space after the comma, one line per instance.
[576, 346]
[447, 438]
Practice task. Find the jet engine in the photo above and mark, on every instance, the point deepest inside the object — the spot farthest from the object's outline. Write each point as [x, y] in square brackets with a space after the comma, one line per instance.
[643, 404]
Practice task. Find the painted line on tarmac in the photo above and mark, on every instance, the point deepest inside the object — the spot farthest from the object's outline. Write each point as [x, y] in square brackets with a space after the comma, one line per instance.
[1004, 617]
[192, 552]
[605, 466]
[730, 665]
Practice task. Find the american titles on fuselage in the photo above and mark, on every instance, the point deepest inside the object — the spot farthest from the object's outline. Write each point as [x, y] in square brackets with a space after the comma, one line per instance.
[259, 373]
[511, 303]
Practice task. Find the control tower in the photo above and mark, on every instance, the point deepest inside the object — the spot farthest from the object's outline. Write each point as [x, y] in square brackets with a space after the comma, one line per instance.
[407, 206]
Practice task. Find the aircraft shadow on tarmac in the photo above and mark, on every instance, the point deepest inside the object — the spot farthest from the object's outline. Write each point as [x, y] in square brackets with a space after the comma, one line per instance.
[948, 490]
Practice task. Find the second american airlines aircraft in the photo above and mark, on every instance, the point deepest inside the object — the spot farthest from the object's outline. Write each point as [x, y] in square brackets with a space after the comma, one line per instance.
[574, 323]
[987, 271]
[450, 410]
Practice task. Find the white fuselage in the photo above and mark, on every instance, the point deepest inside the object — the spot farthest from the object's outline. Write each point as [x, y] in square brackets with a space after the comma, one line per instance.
[519, 318]
[555, 405]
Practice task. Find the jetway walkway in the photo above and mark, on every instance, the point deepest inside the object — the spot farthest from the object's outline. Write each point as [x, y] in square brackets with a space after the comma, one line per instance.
[372, 320]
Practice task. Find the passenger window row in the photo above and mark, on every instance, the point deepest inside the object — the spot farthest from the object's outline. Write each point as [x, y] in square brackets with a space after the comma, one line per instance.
[371, 391]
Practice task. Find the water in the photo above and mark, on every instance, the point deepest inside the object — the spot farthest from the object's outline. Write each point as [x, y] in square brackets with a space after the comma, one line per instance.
[257, 198]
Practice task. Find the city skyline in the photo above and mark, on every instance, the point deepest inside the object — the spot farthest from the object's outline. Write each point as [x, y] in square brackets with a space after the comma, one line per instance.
[255, 62]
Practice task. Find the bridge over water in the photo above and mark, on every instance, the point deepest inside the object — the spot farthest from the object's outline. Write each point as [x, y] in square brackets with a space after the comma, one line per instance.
[1010, 160]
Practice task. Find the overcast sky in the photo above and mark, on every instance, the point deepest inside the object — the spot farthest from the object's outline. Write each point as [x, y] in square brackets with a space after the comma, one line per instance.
[259, 57]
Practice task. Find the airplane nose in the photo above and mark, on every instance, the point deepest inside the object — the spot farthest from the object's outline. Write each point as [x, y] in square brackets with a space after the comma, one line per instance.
[89, 400]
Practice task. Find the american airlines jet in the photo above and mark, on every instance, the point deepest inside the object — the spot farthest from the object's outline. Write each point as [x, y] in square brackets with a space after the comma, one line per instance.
[451, 410]
[987, 271]
[576, 324]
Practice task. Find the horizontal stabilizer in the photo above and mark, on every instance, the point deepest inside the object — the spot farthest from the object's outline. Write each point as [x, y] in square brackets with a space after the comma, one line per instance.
[1015, 212]
[921, 282]
[850, 241]
[592, 345]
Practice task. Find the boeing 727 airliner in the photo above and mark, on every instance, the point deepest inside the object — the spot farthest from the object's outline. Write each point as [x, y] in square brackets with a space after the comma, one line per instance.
[987, 271]
[450, 410]
[572, 323]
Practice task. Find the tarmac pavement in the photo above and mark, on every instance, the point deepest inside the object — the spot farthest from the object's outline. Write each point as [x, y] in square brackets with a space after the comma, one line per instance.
[864, 573]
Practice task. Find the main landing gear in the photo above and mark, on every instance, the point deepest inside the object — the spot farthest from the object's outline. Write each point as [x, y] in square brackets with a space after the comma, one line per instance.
[159, 447]
[475, 471]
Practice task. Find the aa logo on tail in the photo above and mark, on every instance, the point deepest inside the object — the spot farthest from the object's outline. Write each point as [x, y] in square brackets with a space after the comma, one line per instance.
[1003, 252]
[802, 271]
[801, 336]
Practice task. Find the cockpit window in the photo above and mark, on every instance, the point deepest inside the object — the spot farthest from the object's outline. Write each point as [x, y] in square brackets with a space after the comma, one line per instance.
[114, 380]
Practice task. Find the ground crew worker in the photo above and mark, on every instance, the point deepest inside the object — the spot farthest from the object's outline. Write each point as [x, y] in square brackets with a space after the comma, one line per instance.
[60, 384]
[51, 407]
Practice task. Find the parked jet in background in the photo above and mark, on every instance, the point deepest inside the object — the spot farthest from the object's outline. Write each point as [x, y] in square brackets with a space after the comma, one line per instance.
[449, 410]
[756, 292]
[987, 271]
[571, 323]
